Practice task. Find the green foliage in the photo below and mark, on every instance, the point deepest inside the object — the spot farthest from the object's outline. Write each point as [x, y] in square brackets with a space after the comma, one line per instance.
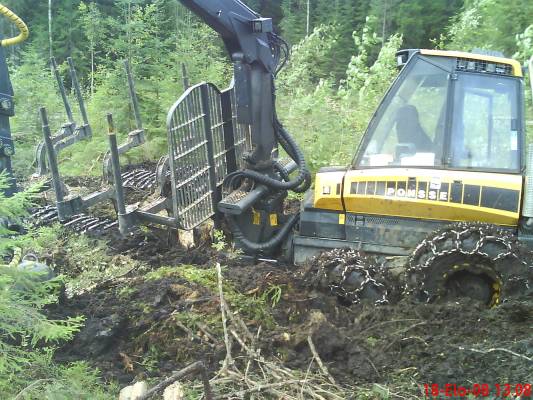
[12, 211]
[328, 121]
[88, 264]
[11, 208]
[315, 120]
[75, 381]
[251, 307]
[219, 242]
[311, 60]
[272, 295]
[34, 87]
[365, 86]
[27, 334]
[418, 21]
[489, 24]
[156, 38]
[524, 43]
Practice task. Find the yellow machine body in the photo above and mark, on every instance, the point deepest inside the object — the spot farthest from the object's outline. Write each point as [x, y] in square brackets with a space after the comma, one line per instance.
[423, 194]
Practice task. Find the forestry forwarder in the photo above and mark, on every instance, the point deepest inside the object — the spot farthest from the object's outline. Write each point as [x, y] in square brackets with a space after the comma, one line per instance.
[441, 172]
[7, 109]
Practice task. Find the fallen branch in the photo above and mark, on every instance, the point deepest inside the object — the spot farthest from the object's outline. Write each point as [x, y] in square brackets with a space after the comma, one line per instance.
[492, 350]
[205, 331]
[388, 322]
[405, 330]
[29, 387]
[194, 368]
[237, 321]
[323, 368]
[192, 335]
[265, 386]
[228, 361]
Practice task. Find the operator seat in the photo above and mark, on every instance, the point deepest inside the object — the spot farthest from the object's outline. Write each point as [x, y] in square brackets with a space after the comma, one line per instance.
[409, 130]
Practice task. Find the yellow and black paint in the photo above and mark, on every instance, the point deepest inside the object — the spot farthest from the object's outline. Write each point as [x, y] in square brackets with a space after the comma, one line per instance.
[422, 193]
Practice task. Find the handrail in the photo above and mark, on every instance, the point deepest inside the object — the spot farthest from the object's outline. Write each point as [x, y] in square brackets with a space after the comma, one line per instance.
[24, 31]
[531, 74]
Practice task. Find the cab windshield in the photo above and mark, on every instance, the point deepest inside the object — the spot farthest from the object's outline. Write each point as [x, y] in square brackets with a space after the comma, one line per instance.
[410, 129]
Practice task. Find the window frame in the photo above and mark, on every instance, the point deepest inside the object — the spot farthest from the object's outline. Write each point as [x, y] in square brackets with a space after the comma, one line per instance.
[520, 128]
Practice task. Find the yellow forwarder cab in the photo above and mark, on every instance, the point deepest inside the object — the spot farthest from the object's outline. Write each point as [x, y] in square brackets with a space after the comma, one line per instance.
[445, 145]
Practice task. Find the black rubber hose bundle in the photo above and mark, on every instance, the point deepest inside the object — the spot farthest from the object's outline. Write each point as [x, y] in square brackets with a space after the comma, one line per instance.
[301, 183]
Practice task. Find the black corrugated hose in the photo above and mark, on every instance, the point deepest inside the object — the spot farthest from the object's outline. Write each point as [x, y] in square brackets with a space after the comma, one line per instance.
[269, 244]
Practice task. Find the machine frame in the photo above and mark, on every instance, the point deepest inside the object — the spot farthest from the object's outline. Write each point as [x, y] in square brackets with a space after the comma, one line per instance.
[360, 207]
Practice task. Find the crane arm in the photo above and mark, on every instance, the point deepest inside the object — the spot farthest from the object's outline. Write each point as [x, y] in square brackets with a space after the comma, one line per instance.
[254, 50]
[243, 31]
[257, 53]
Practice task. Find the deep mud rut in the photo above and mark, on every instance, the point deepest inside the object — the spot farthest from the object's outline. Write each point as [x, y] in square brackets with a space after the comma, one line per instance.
[145, 324]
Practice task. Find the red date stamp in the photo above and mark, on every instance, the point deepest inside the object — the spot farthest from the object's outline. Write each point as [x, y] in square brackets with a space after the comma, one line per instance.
[504, 390]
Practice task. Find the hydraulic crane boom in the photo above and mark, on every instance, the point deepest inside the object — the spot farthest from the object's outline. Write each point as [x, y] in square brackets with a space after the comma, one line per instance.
[248, 39]
[257, 54]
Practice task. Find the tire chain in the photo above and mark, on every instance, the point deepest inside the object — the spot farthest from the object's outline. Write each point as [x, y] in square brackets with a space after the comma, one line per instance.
[458, 234]
[344, 263]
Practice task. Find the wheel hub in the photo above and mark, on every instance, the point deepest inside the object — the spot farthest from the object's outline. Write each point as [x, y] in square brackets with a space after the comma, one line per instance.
[467, 284]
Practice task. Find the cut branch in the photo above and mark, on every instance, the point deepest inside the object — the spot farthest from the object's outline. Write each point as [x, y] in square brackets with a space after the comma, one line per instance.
[194, 368]
[323, 368]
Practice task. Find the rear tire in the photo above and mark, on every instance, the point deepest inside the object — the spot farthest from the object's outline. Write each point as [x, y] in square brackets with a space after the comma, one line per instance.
[349, 275]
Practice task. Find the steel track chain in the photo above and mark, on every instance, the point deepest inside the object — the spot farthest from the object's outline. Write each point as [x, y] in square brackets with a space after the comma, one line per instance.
[79, 223]
[140, 179]
[339, 268]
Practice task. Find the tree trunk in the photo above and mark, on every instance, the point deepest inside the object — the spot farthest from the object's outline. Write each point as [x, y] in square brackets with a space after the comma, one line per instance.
[384, 27]
[50, 27]
[92, 69]
[308, 19]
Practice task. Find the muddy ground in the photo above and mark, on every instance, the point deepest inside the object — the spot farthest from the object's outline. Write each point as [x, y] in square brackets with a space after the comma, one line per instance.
[164, 313]
[145, 324]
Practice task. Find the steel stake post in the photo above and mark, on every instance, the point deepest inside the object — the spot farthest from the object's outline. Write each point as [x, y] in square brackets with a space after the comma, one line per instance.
[52, 160]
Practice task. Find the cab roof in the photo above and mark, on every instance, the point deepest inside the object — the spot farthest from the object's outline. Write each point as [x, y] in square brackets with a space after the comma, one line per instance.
[515, 66]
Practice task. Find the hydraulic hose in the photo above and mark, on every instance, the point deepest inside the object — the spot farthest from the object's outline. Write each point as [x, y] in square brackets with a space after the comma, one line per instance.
[301, 182]
[14, 18]
[290, 151]
[283, 173]
[269, 244]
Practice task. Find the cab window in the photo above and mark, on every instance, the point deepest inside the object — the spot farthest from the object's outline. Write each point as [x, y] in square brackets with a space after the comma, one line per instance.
[409, 128]
[485, 123]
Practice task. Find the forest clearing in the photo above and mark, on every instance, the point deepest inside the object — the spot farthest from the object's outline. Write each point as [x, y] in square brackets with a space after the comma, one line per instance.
[274, 200]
